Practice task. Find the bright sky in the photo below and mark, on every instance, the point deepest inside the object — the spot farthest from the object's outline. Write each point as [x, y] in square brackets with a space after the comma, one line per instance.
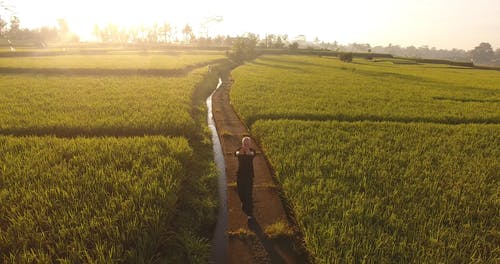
[440, 23]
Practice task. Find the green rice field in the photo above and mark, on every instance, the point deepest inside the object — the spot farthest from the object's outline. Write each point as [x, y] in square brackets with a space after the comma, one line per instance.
[390, 192]
[104, 105]
[123, 60]
[88, 199]
[106, 167]
[313, 88]
[381, 162]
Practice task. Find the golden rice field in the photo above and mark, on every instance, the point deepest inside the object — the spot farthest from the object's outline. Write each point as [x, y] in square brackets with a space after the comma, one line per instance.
[102, 167]
[123, 60]
[313, 88]
[104, 105]
[381, 162]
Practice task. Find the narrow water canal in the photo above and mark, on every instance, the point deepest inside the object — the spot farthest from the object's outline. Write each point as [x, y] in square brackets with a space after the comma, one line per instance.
[219, 242]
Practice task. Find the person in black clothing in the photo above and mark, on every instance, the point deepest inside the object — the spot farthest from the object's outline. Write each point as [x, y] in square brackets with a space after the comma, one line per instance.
[244, 179]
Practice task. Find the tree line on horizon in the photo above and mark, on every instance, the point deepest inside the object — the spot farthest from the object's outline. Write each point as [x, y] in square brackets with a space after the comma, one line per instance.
[166, 33]
[483, 54]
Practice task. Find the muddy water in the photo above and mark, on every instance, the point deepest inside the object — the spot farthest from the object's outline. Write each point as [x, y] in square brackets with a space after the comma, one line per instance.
[219, 242]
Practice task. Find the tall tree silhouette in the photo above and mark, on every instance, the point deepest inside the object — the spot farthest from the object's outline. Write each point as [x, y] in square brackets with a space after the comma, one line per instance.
[63, 26]
[166, 31]
[497, 56]
[153, 33]
[15, 25]
[244, 48]
[3, 26]
[187, 31]
[96, 32]
[482, 54]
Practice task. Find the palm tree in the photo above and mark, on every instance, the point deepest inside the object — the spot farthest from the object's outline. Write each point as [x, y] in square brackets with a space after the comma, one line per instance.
[3, 25]
[188, 32]
[167, 31]
[153, 33]
[96, 32]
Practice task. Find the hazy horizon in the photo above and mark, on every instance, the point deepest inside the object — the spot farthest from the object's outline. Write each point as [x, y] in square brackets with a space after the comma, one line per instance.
[443, 24]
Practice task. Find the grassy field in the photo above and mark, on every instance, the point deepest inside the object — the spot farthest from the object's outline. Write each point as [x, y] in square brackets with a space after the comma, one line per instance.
[390, 192]
[138, 187]
[381, 162]
[121, 60]
[326, 89]
[89, 199]
[104, 105]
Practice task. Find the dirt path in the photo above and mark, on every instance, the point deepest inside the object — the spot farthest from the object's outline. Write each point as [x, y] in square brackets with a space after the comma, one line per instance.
[247, 241]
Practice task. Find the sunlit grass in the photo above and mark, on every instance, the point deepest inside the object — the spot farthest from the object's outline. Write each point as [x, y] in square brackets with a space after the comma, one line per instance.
[109, 61]
[416, 189]
[76, 105]
[300, 87]
[89, 199]
[389, 192]
[107, 197]
[280, 229]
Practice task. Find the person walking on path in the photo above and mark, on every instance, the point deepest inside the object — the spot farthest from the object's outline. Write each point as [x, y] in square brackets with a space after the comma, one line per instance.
[244, 179]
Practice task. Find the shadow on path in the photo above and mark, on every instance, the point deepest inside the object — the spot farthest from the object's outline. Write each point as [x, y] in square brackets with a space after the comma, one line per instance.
[266, 243]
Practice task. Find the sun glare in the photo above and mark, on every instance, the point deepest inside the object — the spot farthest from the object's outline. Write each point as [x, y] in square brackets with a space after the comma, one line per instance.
[425, 22]
[127, 14]
[82, 16]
